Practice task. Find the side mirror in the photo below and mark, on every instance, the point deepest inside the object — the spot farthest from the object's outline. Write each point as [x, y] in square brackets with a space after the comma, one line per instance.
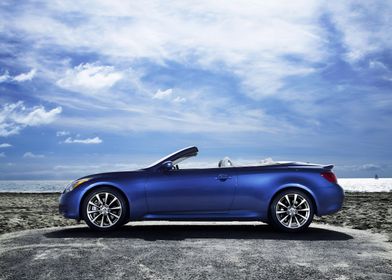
[167, 166]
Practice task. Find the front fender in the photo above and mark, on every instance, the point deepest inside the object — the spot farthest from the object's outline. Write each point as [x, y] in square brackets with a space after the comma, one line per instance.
[95, 185]
[133, 191]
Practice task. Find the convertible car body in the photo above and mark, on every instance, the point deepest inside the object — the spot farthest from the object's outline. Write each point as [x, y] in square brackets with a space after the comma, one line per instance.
[284, 194]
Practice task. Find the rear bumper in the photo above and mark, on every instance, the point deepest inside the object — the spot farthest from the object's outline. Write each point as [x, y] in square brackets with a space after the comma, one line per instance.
[330, 200]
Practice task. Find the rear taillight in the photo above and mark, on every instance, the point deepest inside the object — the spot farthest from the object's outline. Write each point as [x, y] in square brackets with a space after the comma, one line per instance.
[330, 177]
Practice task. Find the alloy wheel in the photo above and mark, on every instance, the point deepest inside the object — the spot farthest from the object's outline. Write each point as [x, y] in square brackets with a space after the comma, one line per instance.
[104, 209]
[292, 210]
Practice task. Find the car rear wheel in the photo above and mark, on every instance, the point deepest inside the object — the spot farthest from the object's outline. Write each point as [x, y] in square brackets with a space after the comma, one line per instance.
[104, 209]
[291, 211]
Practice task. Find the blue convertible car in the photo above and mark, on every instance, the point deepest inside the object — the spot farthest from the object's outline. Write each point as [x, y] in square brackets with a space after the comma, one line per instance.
[283, 194]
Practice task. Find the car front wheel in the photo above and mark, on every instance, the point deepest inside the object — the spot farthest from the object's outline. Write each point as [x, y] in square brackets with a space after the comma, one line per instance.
[292, 211]
[104, 209]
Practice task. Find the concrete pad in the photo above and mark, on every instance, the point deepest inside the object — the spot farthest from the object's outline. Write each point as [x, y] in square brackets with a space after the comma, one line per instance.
[168, 250]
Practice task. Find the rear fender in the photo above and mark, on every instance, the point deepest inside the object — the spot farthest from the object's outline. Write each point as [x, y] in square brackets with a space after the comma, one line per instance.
[296, 186]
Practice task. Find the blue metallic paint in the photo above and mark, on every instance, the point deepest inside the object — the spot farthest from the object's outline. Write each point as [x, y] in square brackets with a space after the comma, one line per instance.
[202, 194]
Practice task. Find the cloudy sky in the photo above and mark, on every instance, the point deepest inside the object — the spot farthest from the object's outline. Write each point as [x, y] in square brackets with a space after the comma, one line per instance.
[88, 86]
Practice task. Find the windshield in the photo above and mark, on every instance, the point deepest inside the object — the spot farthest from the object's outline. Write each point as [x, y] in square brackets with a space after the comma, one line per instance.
[177, 161]
[158, 161]
[177, 157]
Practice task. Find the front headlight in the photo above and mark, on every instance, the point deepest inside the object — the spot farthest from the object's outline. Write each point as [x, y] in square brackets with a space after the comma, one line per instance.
[75, 184]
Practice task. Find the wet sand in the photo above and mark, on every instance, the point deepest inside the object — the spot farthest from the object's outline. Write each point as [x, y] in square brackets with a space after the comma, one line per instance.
[365, 211]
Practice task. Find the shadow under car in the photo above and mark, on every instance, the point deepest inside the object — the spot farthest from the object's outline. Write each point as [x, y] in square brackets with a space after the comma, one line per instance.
[183, 232]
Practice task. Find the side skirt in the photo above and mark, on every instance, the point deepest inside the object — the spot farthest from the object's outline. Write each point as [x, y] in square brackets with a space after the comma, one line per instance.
[238, 215]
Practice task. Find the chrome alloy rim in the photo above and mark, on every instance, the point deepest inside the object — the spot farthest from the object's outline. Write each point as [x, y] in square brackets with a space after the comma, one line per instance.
[293, 210]
[104, 209]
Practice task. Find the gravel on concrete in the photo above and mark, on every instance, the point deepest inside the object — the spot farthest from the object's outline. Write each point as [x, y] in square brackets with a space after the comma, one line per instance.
[195, 251]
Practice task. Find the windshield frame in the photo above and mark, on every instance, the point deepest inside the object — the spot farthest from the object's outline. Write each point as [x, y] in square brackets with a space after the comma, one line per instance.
[182, 154]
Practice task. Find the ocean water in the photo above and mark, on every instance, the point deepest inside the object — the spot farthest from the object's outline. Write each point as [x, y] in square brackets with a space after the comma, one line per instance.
[348, 184]
[33, 186]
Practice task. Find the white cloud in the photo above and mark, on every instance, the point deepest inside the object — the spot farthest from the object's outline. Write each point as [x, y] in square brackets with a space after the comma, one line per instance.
[369, 167]
[381, 69]
[95, 140]
[31, 155]
[378, 65]
[16, 116]
[25, 76]
[89, 77]
[168, 94]
[18, 78]
[161, 94]
[7, 129]
[5, 145]
[179, 99]
[214, 119]
[261, 44]
[4, 77]
[62, 133]
[365, 27]
[140, 113]
[38, 116]
[2, 155]
[363, 167]
[249, 39]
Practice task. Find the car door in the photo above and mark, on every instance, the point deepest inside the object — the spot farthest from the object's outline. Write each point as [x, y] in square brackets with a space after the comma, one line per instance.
[191, 190]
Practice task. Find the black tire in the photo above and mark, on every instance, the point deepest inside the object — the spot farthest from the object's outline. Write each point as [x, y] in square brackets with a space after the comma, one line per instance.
[104, 212]
[295, 210]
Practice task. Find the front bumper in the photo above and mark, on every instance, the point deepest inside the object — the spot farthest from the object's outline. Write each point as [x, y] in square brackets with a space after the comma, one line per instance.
[69, 205]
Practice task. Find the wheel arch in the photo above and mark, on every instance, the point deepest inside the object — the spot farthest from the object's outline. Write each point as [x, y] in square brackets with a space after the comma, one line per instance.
[293, 187]
[104, 185]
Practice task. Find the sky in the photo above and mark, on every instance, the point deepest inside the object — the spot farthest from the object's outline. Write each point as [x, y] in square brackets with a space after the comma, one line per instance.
[93, 86]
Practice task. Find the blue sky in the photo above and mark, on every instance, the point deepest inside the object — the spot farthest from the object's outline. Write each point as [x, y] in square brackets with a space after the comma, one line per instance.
[108, 85]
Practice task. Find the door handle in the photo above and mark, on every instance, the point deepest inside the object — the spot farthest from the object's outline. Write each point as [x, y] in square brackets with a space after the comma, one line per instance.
[223, 177]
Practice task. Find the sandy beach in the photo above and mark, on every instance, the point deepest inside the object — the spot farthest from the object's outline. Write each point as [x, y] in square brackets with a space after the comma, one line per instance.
[365, 211]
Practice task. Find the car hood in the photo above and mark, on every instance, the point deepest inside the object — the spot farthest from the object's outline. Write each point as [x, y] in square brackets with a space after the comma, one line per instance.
[119, 174]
